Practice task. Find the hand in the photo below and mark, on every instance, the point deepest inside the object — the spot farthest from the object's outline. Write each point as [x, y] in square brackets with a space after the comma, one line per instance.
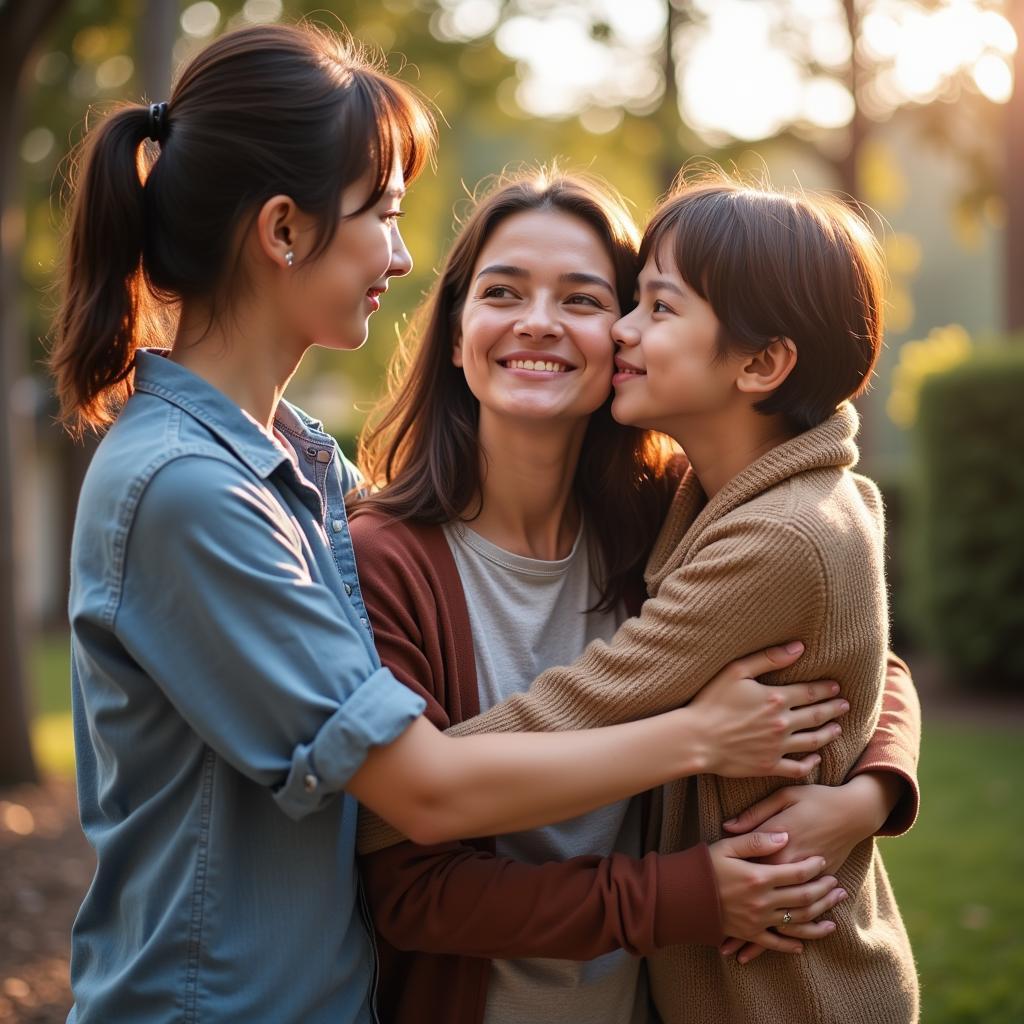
[827, 821]
[754, 897]
[747, 726]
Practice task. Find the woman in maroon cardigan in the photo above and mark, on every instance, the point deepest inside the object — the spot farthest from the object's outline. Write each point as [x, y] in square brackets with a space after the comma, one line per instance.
[503, 470]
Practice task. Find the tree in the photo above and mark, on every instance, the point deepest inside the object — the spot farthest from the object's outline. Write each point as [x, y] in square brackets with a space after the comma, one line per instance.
[1013, 177]
[21, 27]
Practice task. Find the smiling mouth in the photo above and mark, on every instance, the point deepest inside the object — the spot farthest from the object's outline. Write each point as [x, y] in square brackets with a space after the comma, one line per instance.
[543, 365]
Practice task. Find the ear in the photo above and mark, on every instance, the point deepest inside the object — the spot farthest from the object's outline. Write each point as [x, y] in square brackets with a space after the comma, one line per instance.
[457, 351]
[277, 229]
[766, 371]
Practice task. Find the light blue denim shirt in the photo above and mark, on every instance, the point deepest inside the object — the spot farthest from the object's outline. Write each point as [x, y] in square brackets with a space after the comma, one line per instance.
[225, 687]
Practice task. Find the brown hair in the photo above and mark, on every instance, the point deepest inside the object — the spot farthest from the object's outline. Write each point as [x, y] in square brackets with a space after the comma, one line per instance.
[421, 446]
[261, 111]
[779, 265]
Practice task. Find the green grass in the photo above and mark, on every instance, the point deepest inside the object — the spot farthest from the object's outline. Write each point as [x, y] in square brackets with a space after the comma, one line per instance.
[958, 875]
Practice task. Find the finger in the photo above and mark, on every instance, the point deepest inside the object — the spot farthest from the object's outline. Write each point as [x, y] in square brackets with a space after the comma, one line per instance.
[805, 914]
[731, 947]
[797, 695]
[785, 876]
[812, 716]
[751, 951]
[760, 812]
[802, 742]
[797, 899]
[791, 768]
[769, 660]
[812, 930]
[780, 943]
[755, 844]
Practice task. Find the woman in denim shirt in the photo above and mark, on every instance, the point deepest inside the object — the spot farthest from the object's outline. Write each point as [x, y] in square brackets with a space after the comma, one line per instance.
[223, 668]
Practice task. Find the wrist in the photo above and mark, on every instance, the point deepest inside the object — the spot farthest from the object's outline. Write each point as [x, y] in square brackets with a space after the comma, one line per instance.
[691, 751]
[875, 795]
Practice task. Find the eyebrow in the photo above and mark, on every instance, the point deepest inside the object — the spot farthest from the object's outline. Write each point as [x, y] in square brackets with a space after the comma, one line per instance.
[575, 277]
[660, 284]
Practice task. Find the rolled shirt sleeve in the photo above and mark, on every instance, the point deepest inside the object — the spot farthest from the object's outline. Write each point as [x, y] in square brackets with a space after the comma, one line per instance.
[228, 610]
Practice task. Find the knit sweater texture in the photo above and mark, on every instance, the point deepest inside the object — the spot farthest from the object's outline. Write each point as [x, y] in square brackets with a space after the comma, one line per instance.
[790, 548]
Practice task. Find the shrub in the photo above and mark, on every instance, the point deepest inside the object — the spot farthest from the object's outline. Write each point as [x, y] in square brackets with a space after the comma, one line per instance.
[966, 516]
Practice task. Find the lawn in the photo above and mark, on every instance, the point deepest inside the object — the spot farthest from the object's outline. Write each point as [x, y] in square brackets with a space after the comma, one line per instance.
[958, 875]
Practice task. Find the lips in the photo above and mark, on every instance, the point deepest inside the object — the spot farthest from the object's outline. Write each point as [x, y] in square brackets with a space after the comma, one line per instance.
[373, 295]
[628, 369]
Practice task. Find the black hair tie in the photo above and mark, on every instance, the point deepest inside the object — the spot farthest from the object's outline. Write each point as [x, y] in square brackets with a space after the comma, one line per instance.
[158, 122]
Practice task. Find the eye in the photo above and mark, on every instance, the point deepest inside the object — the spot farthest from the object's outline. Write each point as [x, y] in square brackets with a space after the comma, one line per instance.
[391, 217]
[498, 291]
[580, 299]
[660, 307]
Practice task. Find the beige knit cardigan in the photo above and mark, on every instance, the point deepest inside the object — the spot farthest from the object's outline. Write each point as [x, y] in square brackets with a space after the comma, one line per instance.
[790, 548]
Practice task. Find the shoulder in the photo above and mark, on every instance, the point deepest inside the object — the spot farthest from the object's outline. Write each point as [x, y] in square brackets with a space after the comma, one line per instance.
[408, 554]
[814, 516]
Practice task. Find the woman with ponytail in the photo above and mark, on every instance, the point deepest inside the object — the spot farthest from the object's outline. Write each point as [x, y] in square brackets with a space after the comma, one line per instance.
[228, 701]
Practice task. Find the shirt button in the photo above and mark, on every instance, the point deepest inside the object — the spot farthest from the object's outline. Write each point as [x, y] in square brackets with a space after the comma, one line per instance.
[348, 589]
[362, 619]
[311, 782]
[323, 456]
[337, 525]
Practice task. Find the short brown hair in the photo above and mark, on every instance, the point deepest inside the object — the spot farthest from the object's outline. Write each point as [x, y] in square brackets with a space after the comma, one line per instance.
[421, 446]
[781, 265]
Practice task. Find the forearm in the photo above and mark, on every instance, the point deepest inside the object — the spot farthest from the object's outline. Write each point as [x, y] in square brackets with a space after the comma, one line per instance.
[456, 899]
[894, 748]
[434, 788]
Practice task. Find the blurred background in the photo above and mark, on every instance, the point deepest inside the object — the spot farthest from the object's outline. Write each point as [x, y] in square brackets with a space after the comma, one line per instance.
[906, 106]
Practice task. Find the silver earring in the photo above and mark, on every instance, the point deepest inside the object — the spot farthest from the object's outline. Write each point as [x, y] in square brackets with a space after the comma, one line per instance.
[289, 258]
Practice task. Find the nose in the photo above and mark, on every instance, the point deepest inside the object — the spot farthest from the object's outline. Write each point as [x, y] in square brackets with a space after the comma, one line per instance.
[625, 332]
[538, 321]
[401, 258]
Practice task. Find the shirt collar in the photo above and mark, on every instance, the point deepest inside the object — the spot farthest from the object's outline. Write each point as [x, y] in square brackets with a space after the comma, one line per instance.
[155, 374]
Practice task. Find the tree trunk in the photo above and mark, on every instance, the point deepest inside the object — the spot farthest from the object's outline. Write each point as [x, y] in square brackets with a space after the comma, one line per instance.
[847, 166]
[21, 27]
[1014, 182]
[158, 27]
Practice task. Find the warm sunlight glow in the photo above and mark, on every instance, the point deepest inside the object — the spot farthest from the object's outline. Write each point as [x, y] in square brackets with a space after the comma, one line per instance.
[745, 70]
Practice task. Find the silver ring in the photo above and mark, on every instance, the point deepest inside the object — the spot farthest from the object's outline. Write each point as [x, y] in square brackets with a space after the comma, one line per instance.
[787, 917]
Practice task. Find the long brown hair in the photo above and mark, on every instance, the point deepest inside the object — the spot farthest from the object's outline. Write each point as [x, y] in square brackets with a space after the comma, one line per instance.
[772, 264]
[421, 449]
[265, 110]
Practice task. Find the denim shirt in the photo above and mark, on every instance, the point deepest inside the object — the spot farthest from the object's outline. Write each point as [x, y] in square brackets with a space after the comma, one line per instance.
[225, 687]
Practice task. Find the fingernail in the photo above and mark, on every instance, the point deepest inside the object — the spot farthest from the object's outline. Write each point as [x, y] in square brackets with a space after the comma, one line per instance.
[794, 647]
[779, 837]
[844, 706]
[835, 688]
[829, 926]
[843, 894]
[731, 821]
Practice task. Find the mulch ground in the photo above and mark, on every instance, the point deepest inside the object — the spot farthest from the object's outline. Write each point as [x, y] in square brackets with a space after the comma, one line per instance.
[46, 865]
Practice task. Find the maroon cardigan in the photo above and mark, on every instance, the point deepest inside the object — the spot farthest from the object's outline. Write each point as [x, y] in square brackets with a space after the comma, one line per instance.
[443, 911]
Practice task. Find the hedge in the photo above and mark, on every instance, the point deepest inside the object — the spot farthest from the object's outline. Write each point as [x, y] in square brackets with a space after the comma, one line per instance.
[965, 527]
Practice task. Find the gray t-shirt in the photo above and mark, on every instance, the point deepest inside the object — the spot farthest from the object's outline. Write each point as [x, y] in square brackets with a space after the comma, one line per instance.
[527, 615]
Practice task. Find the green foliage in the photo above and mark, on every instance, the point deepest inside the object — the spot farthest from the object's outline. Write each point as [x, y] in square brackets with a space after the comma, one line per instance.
[965, 534]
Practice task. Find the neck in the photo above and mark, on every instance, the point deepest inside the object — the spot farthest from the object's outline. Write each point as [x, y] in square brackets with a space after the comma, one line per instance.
[527, 473]
[240, 354]
[721, 445]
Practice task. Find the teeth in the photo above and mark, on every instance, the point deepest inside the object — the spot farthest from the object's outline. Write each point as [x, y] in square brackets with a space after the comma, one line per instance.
[536, 364]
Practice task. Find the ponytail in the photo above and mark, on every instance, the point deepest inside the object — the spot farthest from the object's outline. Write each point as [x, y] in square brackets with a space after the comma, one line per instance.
[262, 111]
[105, 304]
